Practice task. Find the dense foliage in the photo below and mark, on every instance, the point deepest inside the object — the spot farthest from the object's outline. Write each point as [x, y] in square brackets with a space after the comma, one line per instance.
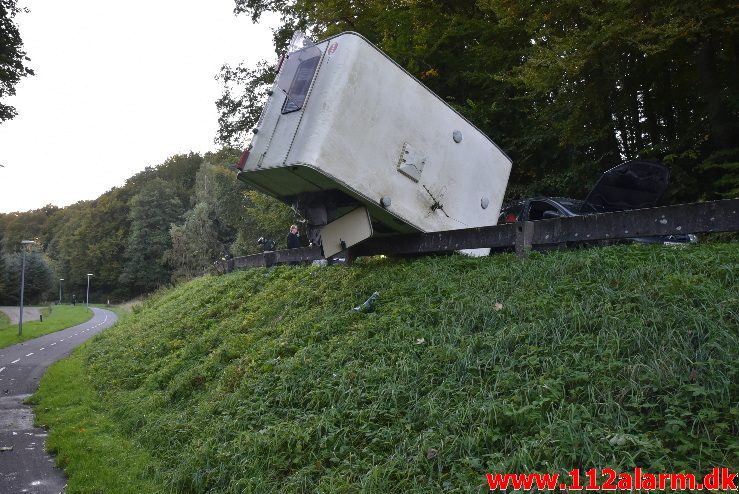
[266, 381]
[37, 280]
[567, 88]
[153, 209]
[13, 60]
[2, 276]
[167, 223]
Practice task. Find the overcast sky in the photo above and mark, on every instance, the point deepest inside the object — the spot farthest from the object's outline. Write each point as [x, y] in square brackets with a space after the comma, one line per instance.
[119, 86]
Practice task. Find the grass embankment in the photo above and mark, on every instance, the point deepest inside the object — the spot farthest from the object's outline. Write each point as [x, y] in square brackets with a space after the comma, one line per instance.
[91, 454]
[265, 381]
[119, 309]
[56, 318]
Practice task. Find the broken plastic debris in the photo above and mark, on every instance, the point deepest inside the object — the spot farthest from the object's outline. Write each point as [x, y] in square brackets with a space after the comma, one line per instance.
[420, 341]
[6, 448]
[617, 440]
[367, 305]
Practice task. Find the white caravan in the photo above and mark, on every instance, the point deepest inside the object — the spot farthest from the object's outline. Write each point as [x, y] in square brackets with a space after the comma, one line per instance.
[361, 148]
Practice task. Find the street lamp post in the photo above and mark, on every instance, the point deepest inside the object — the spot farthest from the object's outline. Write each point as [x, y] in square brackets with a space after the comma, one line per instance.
[60, 290]
[23, 282]
[87, 297]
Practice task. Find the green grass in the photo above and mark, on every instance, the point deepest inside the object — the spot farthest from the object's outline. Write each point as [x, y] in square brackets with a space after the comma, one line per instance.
[95, 459]
[56, 318]
[264, 381]
[120, 310]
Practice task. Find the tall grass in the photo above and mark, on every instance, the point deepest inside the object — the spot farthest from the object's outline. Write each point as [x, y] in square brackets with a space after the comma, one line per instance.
[266, 381]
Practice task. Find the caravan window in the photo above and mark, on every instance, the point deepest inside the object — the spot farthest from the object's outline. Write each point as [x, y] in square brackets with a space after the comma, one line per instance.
[300, 83]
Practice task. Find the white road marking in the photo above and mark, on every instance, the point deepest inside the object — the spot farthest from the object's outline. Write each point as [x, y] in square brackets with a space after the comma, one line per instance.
[63, 339]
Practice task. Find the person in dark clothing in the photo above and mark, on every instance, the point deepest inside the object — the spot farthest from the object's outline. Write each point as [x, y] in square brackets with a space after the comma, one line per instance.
[293, 241]
[293, 238]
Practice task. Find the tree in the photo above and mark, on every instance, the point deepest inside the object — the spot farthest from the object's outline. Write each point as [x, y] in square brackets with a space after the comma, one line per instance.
[153, 210]
[3, 289]
[38, 278]
[12, 57]
[228, 215]
[24, 226]
[91, 237]
[245, 90]
[195, 244]
[617, 80]
[266, 217]
[178, 170]
[215, 185]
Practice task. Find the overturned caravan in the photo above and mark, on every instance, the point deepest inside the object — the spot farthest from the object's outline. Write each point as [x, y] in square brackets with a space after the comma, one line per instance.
[360, 148]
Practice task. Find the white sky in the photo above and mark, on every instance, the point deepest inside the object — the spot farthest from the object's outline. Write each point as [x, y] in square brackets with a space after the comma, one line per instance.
[119, 86]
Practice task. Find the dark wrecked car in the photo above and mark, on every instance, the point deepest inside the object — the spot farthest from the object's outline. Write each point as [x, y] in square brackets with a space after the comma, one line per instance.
[635, 184]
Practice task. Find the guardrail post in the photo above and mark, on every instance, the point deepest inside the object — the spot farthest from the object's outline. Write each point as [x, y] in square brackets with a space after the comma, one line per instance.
[524, 234]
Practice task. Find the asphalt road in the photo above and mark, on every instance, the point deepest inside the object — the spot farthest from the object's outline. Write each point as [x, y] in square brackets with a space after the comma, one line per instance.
[27, 467]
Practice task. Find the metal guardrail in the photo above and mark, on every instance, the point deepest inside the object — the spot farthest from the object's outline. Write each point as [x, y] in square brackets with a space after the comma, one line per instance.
[702, 217]
[274, 257]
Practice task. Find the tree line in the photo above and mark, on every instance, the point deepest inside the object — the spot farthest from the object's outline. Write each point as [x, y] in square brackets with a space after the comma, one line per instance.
[165, 224]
